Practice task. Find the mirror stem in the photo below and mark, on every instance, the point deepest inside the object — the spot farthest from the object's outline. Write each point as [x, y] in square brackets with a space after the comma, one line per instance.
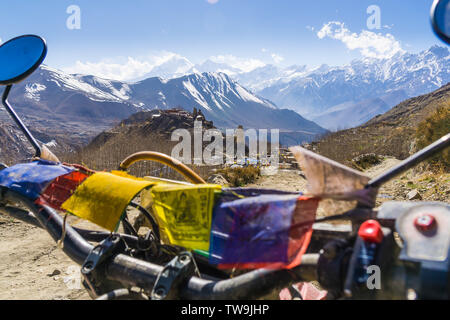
[19, 122]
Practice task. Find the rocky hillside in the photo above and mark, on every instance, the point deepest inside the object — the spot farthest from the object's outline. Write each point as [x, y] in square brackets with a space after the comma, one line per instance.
[12, 144]
[329, 93]
[143, 131]
[153, 127]
[52, 94]
[392, 134]
[58, 135]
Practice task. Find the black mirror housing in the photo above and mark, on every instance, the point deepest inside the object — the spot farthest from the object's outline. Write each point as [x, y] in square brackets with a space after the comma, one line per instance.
[440, 19]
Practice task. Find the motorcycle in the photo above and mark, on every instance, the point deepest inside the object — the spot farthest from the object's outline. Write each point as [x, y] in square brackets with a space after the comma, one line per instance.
[407, 243]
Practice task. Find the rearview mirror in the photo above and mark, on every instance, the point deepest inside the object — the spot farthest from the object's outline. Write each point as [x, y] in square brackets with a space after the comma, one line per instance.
[440, 19]
[19, 57]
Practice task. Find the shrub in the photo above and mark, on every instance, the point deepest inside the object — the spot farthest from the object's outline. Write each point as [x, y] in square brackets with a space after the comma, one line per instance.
[238, 177]
[366, 161]
[432, 129]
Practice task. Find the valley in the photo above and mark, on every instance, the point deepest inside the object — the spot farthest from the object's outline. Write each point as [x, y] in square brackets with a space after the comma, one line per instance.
[225, 150]
[35, 268]
[67, 111]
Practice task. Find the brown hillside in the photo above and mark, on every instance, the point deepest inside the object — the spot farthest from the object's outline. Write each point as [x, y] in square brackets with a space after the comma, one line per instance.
[144, 131]
[390, 134]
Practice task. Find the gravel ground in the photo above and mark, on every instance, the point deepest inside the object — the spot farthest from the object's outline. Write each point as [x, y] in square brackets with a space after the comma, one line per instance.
[33, 267]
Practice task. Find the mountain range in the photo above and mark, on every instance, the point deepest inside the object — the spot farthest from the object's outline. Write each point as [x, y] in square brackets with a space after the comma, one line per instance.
[338, 91]
[334, 97]
[394, 133]
[74, 108]
[52, 94]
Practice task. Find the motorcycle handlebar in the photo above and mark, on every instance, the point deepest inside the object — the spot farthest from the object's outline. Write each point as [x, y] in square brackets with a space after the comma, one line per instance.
[134, 272]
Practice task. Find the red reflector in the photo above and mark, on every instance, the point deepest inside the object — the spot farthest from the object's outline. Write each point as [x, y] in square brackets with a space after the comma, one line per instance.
[370, 231]
[426, 222]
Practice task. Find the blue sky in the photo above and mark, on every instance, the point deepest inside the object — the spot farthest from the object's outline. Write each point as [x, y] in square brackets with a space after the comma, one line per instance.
[266, 31]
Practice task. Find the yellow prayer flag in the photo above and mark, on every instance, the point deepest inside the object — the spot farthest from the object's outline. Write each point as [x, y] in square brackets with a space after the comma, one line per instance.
[103, 197]
[184, 213]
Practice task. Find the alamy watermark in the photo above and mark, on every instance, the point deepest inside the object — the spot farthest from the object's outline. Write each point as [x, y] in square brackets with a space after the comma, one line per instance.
[73, 280]
[374, 280]
[233, 146]
[73, 22]
[374, 20]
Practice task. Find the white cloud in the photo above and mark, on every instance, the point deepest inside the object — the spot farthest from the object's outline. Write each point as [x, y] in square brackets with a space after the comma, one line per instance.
[277, 58]
[212, 1]
[132, 68]
[243, 64]
[370, 44]
[121, 69]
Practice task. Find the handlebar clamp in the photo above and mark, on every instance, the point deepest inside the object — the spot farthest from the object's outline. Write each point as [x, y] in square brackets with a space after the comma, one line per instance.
[93, 270]
[173, 275]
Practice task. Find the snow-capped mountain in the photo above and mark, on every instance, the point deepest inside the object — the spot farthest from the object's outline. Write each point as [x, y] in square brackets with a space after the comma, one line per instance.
[314, 92]
[51, 93]
[264, 77]
[321, 93]
[222, 100]
[211, 66]
[176, 66]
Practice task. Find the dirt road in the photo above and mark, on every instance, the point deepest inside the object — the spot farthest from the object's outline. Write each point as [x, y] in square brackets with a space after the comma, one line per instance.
[32, 267]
